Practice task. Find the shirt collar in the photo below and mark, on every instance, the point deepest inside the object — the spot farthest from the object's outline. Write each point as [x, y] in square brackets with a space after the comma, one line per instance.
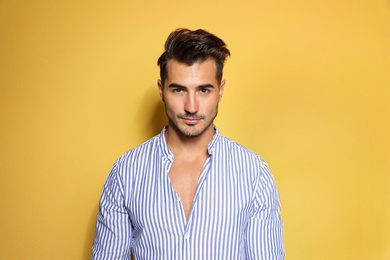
[167, 153]
[211, 145]
[163, 145]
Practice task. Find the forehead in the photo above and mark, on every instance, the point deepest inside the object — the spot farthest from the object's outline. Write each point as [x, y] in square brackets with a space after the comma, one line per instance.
[199, 71]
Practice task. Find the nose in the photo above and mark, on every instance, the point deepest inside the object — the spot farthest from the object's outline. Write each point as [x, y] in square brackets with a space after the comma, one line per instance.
[191, 104]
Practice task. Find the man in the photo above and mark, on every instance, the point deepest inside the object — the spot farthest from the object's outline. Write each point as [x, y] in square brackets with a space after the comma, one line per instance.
[189, 192]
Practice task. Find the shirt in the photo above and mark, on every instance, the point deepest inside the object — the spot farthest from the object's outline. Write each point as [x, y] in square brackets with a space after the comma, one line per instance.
[235, 212]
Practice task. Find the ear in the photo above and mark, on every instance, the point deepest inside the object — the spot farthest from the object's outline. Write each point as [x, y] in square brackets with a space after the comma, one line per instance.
[160, 89]
[221, 89]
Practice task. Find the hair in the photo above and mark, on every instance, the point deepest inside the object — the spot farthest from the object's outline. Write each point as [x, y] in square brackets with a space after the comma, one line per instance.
[190, 47]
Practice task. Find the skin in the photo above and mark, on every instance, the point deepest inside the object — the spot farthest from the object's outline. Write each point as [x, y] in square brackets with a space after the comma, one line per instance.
[191, 94]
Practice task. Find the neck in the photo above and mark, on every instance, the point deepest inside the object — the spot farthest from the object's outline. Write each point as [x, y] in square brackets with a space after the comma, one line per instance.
[188, 146]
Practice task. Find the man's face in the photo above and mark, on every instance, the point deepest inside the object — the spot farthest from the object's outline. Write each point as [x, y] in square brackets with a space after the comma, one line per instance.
[191, 95]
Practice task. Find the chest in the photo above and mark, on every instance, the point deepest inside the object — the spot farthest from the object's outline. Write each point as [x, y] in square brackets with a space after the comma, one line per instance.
[211, 191]
[217, 212]
[184, 177]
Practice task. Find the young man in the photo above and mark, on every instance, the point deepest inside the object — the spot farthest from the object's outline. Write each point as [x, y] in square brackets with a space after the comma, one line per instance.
[189, 192]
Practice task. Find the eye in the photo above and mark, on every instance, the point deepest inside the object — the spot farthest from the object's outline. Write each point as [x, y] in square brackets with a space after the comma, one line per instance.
[204, 90]
[177, 90]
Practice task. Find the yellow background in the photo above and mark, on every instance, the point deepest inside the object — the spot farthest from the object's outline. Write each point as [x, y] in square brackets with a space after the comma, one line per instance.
[307, 88]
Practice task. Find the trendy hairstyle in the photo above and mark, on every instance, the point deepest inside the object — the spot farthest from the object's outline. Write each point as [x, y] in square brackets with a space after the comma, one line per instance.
[189, 47]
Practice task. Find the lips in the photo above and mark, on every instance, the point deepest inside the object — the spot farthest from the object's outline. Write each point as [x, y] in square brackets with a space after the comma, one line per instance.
[190, 121]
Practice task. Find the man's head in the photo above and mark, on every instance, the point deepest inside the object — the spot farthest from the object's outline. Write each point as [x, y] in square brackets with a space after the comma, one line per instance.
[189, 47]
[191, 84]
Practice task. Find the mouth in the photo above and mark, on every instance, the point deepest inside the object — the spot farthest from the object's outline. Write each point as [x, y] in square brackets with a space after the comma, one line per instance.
[191, 120]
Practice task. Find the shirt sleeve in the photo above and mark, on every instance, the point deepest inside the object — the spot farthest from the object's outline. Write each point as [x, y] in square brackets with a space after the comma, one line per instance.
[264, 236]
[113, 227]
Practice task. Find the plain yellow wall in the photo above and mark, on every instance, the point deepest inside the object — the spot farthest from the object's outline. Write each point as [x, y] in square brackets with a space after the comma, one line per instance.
[307, 88]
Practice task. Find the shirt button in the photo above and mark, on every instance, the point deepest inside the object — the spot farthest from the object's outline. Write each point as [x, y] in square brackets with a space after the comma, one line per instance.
[186, 236]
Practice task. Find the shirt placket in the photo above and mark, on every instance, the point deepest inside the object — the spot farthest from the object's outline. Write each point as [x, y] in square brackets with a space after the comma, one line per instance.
[188, 230]
[180, 221]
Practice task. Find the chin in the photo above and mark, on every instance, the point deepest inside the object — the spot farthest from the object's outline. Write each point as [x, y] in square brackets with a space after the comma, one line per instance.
[191, 133]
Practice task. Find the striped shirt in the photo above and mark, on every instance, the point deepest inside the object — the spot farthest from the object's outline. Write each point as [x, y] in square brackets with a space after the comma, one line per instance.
[235, 213]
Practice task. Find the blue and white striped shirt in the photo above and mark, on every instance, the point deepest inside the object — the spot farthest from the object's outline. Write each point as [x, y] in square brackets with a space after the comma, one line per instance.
[235, 212]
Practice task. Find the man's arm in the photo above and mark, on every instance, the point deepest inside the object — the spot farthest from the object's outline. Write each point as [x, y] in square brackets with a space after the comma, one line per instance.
[113, 228]
[264, 236]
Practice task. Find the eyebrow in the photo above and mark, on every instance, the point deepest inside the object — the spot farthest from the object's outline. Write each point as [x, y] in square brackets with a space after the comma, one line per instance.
[175, 85]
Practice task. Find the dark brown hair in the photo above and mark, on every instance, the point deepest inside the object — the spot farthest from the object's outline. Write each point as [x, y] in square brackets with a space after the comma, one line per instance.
[189, 47]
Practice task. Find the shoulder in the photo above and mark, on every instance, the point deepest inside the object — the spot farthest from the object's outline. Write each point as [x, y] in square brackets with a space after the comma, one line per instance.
[139, 153]
[240, 155]
[230, 146]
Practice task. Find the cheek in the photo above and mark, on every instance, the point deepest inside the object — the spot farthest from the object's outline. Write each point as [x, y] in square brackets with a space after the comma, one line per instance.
[211, 104]
[173, 102]
[170, 105]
